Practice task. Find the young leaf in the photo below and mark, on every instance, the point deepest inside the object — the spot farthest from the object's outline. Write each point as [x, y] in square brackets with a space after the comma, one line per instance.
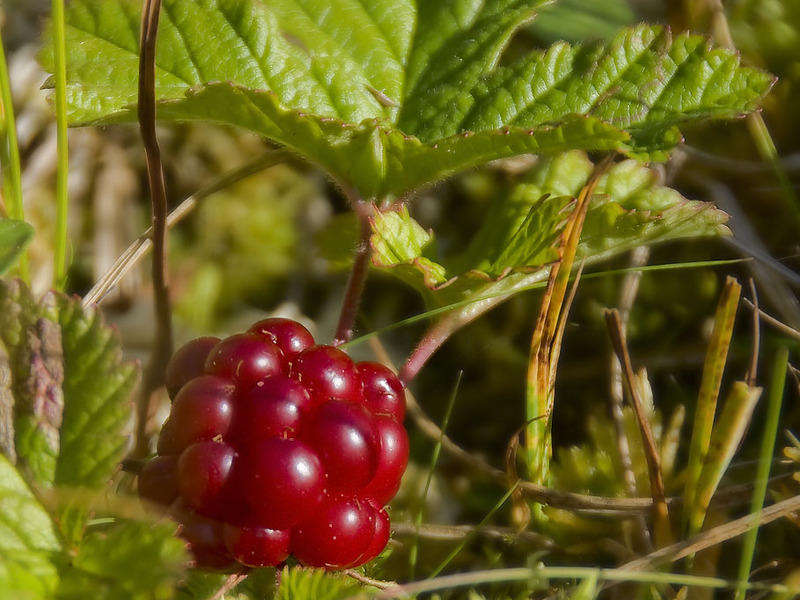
[516, 241]
[97, 388]
[14, 238]
[399, 243]
[128, 560]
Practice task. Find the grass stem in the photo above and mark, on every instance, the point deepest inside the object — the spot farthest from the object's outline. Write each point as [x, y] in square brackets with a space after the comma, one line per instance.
[765, 462]
[413, 552]
[62, 168]
[12, 173]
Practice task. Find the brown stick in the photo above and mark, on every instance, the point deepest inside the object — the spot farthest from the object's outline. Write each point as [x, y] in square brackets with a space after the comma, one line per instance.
[162, 344]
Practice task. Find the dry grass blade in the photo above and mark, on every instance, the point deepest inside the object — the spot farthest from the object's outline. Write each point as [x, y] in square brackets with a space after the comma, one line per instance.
[716, 358]
[714, 536]
[662, 530]
[231, 582]
[546, 341]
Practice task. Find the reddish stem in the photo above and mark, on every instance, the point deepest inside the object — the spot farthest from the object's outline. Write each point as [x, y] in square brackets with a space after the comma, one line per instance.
[358, 275]
[162, 345]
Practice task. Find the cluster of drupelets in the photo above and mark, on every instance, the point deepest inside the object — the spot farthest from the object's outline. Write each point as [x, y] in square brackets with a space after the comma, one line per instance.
[276, 446]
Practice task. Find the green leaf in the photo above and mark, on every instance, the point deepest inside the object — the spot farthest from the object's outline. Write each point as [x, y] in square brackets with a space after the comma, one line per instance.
[315, 584]
[457, 44]
[26, 576]
[642, 81]
[378, 93]
[64, 390]
[24, 523]
[32, 400]
[28, 540]
[97, 389]
[320, 57]
[128, 560]
[374, 158]
[578, 20]
[14, 238]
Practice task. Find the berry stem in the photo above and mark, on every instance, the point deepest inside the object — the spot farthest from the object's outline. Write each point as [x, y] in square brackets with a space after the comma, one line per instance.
[162, 344]
[358, 275]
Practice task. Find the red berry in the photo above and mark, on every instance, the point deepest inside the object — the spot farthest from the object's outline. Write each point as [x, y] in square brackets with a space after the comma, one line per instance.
[329, 373]
[346, 440]
[158, 482]
[392, 461]
[383, 392]
[275, 407]
[290, 336]
[167, 446]
[282, 481]
[380, 538]
[187, 363]
[246, 359]
[205, 539]
[338, 534]
[274, 444]
[257, 546]
[202, 410]
[203, 473]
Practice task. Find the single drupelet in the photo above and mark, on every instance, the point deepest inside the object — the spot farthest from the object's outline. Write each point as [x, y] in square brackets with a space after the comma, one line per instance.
[276, 446]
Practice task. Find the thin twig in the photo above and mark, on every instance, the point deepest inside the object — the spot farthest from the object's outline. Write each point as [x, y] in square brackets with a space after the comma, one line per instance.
[772, 321]
[661, 513]
[231, 582]
[628, 292]
[377, 583]
[459, 532]
[162, 344]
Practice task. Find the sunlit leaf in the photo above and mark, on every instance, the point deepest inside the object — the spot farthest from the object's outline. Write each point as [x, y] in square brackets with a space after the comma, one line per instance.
[97, 389]
[378, 94]
[516, 242]
[126, 560]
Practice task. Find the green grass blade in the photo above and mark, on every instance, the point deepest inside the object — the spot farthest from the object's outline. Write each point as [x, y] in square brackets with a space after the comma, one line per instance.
[474, 532]
[765, 461]
[12, 168]
[435, 312]
[62, 170]
[413, 551]
[716, 357]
